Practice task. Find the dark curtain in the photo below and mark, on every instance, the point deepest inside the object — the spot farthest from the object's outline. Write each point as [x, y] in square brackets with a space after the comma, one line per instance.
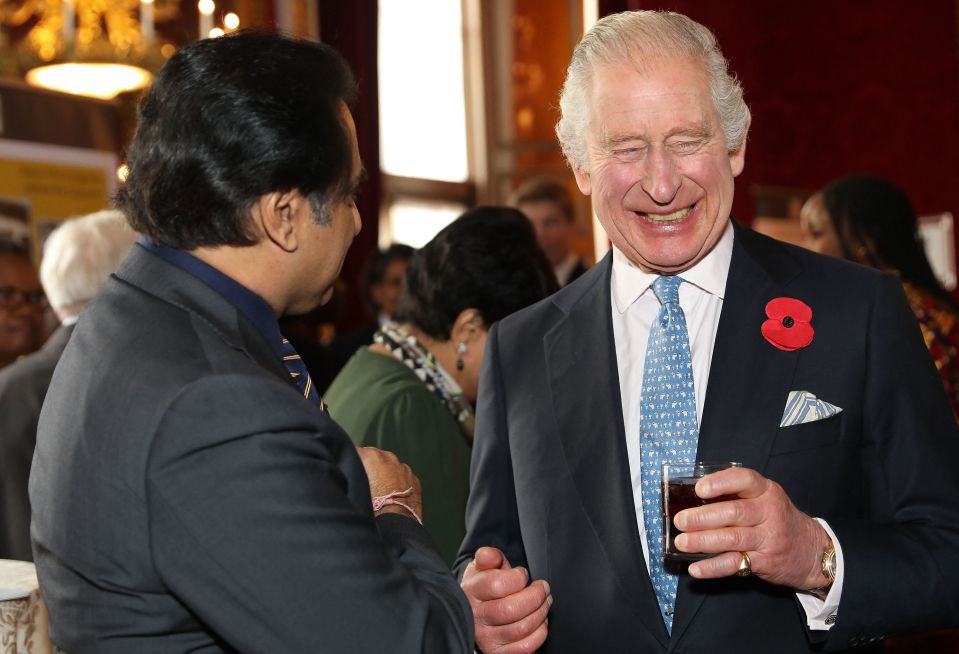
[351, 28]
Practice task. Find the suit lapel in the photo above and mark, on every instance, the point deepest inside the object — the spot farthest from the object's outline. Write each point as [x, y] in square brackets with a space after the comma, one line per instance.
[584, 384]
[749, 379]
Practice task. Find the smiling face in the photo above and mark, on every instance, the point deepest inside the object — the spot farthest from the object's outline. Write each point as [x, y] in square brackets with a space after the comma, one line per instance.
[660, 175]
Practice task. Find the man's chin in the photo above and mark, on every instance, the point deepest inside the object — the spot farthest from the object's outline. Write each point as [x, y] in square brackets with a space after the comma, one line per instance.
[662, 264]
[308, 306]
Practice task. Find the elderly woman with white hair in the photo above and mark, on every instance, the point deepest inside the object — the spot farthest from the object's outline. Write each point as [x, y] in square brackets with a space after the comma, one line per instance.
[77, 258]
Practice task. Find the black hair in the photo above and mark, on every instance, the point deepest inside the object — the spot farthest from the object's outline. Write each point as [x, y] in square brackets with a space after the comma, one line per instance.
[487, 259]
[228, 120]
[876, 225]
[379, 262]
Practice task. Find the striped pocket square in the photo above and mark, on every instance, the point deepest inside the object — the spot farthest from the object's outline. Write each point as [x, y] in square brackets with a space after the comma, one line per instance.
[803, 407]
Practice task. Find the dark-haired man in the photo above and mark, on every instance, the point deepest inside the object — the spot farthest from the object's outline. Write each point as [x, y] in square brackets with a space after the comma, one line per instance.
[549, 207]
[190, 493]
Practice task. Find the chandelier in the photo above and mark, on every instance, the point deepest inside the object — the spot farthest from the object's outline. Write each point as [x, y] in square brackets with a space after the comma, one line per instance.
[95, 48]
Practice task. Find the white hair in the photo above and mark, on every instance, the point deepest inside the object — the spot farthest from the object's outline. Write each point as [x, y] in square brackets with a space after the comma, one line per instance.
[640, 35]
[79, 256]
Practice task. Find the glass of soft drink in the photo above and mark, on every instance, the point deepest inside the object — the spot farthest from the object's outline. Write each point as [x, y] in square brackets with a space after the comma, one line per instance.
[679, 493]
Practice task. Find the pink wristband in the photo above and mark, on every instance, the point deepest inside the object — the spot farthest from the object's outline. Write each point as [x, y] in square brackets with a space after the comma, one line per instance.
[383, 500]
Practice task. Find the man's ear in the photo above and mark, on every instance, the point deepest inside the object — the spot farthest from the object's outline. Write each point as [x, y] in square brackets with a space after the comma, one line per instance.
[275, 215]
[583, 180]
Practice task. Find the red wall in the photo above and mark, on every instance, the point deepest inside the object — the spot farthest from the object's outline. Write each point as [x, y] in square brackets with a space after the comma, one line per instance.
[351, 28]
[841, 87]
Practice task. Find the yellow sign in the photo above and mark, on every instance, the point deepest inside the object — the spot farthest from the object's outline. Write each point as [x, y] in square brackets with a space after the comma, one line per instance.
[49, 193]
[54, 190]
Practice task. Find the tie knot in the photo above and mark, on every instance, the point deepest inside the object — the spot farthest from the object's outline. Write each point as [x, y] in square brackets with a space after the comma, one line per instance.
[666, 288]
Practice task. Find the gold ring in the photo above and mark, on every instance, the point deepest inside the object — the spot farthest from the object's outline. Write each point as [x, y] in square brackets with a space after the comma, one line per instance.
[744, 566]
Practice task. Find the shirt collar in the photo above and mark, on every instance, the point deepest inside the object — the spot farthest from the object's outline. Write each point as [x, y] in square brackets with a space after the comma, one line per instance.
[709, 273]
[251, 305]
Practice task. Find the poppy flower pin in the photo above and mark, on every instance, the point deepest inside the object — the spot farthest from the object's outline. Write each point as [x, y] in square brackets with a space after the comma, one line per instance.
[788, 326]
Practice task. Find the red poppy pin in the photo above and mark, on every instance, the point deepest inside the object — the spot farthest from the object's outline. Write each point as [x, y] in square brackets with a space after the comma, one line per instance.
[788, 326]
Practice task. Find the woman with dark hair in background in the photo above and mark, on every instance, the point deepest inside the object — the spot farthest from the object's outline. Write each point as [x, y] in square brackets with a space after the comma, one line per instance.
[870, 221]
[412, 391]
[383, 280]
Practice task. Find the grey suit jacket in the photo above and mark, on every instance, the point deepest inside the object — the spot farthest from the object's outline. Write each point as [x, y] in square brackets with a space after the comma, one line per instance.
[550, 481]
[188, 499]
[23, 385]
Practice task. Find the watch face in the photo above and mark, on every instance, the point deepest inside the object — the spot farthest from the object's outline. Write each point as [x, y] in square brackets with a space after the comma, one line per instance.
[829, 563]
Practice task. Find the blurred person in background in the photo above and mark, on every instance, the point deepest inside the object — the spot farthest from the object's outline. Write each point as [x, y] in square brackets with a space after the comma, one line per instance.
[77, 258]
[549, 207]
[21, 304]
[413, 391]
[870, 221]
[383, 282]
[386, 279]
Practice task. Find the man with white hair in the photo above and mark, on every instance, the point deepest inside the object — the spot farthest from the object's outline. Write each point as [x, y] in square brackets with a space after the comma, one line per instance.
[77, 258]
[697, 339]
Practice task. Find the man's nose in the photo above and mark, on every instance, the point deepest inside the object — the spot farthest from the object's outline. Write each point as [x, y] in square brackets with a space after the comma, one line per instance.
[662, 179]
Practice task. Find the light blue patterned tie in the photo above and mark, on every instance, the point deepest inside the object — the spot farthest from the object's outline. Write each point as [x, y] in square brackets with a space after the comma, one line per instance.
[668, 429]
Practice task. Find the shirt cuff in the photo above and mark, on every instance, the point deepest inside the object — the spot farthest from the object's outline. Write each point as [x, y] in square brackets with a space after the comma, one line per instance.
[821, 614]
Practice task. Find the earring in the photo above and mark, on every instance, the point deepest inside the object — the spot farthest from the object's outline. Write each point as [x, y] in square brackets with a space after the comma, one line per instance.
[460, 351]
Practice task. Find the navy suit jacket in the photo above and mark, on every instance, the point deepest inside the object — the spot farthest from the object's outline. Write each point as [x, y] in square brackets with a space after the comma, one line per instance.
[550, 480]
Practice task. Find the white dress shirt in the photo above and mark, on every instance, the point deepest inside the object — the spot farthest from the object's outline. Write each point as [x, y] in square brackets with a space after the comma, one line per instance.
[635, 306]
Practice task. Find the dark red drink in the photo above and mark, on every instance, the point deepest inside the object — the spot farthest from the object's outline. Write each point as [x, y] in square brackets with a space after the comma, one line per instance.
[681, 495]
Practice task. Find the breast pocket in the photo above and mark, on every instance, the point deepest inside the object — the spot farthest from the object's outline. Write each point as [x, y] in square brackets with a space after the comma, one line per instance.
[807, 436]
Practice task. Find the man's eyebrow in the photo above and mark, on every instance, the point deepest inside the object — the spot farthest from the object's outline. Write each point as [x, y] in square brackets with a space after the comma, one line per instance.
[619, 139]
[702, 131]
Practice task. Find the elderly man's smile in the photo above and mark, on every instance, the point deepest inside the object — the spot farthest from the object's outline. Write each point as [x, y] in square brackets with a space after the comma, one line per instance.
[666, 218]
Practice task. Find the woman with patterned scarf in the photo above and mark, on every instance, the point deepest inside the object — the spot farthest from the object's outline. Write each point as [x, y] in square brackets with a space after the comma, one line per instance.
[412, 391]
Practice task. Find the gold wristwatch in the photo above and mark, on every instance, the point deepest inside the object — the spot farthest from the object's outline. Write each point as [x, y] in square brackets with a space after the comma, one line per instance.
[829, 562]
[828, 570]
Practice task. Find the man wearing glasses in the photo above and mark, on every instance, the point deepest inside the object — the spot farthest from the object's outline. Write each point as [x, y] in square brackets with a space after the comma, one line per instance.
[21, 304]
